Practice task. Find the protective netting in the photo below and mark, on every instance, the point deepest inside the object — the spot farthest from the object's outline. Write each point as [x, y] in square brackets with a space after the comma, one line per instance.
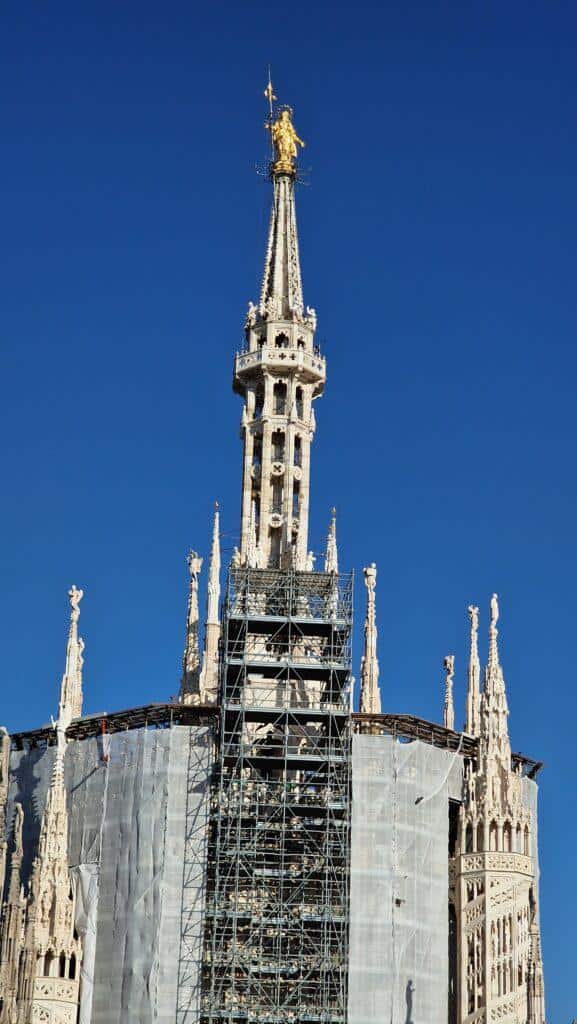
[129, 815]
[398, 968]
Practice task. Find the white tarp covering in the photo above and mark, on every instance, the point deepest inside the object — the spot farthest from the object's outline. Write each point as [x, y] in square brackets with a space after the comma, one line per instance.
[398, 968]
[127, 841]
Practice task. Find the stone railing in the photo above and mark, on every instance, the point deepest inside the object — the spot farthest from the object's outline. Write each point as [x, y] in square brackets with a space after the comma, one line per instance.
[281, 358]
[496, 861]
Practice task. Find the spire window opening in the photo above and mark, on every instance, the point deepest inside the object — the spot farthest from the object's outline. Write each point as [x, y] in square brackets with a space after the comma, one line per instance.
[507, 837]
[469, 839]
[281, 341]
[298, 453]
[301, 343]
[526, 847]
[48, 962]
[277, 497]
[275, 549]
[480, 838]
[258, 402]
[296, 497]
[280, 393]
[493, 836]
[257, 450]
[278, 446]
[62, 967]
[299, 402]
[72, 969]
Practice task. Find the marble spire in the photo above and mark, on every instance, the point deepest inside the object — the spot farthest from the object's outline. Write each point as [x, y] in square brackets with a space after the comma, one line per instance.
[70, 705]
[13, 911]
[494, 730]
[279, 374]
[474, 675]
[189, 685]
[332, 554]
[449, 706]
[281, 294]
[209, 673]
[370, 694]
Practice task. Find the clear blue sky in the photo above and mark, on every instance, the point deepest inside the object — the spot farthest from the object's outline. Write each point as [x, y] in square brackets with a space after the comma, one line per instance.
[438, 247]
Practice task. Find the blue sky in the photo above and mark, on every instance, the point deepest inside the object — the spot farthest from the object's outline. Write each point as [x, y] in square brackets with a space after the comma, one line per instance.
[438, 247]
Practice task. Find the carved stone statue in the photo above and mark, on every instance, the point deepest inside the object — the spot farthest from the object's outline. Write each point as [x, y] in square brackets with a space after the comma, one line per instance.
[75, 597]
[285, 141]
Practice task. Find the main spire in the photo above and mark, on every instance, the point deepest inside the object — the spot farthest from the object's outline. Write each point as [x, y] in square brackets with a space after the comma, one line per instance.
[278, 374]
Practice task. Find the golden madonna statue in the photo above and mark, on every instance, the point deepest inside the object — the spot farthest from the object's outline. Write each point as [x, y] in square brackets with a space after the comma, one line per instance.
[285, 141]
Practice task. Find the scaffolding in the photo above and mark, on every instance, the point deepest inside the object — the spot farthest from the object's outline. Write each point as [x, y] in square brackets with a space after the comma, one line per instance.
[276, 922]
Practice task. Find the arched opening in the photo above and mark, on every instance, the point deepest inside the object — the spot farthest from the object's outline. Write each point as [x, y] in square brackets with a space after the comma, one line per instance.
[296, 498]
[519, 840]
[279, 392]
[258, 402]
[72, 970]
[278, 446]
[261, 341]
[275, 548]
[257, 450]
[62, 966]
[469, 838]
[281, 341]
[507, 837]
[299, 402]
[301, 343]
[526, 844]
[493, 836]
[480, 837]
[48, 964]
[298, 456]
[277, 497]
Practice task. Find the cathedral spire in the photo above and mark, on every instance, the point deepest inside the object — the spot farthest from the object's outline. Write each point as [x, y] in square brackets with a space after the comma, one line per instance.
[189, 685]
[474, 678]
[278, 374]
[370, 694]
[332, 554]
[494, 708]
[70, 705]
[449, 707]
[209, 673]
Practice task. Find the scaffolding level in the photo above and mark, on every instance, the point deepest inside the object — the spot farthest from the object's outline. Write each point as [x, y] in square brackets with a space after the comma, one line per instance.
[276, 934]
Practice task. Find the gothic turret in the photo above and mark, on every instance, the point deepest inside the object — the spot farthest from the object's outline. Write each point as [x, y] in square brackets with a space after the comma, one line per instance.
[493, 872]
[209, 673]
[449, 706]
[278, 374]
[473, 695]
[70, 705]
[13, 911]
[370, 693]
[190, 680]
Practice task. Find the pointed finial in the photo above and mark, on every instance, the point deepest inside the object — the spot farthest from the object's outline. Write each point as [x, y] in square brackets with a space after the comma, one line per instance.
[449, 708]
[472, 723]
[71, 696]
[493, 633]
[370, 694]
[191, 656]
[75, 595]
[332, 555]
[209, 671]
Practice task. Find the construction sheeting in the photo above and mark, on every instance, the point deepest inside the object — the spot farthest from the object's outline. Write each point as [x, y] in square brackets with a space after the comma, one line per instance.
[129, 810]
[398, 967]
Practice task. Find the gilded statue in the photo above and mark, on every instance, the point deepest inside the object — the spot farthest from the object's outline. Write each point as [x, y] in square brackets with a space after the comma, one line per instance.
[285, 141]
